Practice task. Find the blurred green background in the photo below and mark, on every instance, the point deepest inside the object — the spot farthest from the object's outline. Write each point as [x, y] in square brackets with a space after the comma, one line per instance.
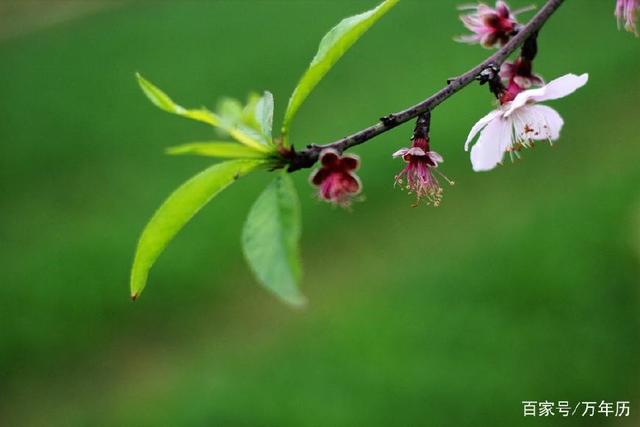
[523, 285]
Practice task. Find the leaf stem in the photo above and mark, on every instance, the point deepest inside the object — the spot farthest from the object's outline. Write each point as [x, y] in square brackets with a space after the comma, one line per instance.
[309, 156]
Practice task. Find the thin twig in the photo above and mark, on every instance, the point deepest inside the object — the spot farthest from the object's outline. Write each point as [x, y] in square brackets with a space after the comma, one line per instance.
[308, 157]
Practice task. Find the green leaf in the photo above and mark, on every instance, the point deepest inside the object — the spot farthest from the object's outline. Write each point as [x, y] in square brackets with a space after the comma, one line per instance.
[263, 114]
[230, 109]
[177, 210]
[164, 102]
[227, 150]
[254, 118]
[332, 46]
[270, 239]
[258, 114]
[248, 114]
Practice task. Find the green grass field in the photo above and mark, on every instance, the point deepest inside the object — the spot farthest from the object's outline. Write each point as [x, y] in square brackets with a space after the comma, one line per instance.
[523, 285]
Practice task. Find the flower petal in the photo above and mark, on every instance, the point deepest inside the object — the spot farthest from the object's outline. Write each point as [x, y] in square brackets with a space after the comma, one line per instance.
[493, 142]
[536, 123]
[503, 9]
[507, 70]
[401, 152]
[553, 119]
[349, 162]
[563, 86]
[329, 157]
[478, 127]
[352, 183]
[435, 157]
[319, 175]
[558, 88]
[416, 151]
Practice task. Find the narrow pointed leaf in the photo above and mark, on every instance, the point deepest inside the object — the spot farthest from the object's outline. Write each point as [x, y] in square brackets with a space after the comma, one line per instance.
[164, 102]
[332, 46]
[177, 210]
[271, 237]
[226, 150]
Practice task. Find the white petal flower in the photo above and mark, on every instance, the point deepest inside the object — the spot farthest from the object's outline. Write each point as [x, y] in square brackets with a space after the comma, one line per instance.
[517, 124]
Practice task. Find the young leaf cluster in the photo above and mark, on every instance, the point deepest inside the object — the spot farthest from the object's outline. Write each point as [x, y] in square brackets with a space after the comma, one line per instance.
[272, 231]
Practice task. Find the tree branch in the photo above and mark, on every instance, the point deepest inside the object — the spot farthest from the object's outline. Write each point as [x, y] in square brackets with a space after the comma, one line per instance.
[309, 156]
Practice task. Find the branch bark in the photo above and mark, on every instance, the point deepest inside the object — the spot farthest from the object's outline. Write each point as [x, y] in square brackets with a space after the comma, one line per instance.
[309, 156]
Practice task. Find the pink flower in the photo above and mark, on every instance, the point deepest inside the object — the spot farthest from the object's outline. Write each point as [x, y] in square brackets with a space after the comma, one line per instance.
[518, 76]
[627, 12]
[335, 179]
[520, 73]
[490, 26]
[517, 124]
[421, 162]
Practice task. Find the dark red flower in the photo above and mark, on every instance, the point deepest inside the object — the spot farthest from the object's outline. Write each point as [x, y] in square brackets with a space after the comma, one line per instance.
[336, 181]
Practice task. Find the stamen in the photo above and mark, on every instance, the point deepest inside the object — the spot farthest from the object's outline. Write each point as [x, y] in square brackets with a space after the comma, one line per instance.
[445, 177]
[524, 9]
